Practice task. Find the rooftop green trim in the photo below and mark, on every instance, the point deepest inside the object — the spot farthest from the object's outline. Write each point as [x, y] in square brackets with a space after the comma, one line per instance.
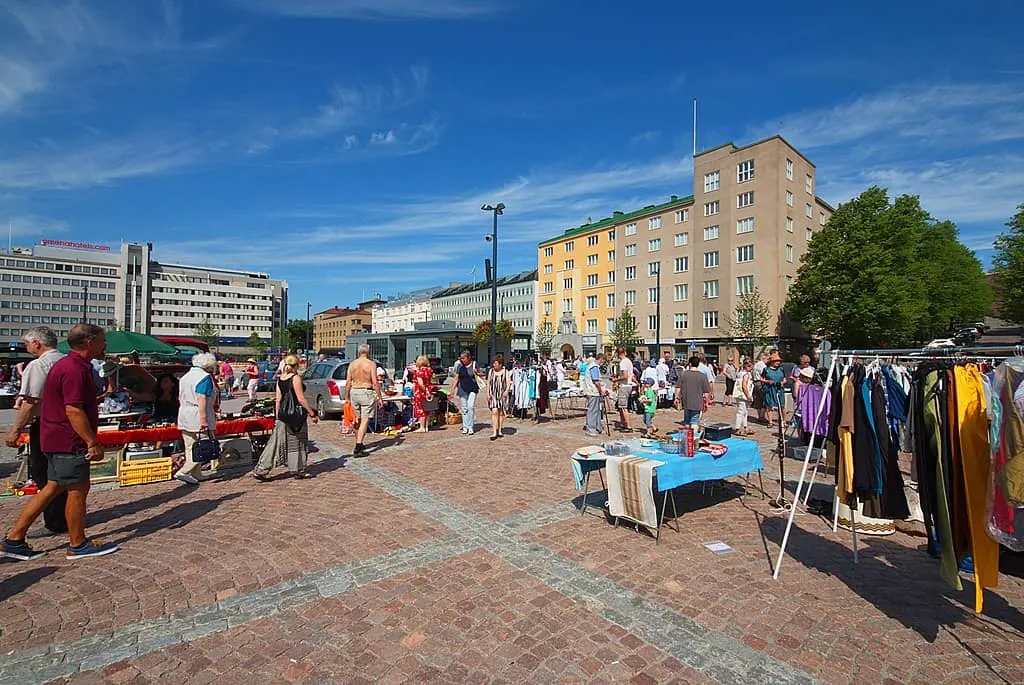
[618, 218]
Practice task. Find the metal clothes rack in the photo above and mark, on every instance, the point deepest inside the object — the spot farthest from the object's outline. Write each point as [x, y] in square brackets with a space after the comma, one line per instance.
[914, 355]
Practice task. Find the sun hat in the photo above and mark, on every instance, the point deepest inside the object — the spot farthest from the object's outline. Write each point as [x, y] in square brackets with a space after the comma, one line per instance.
[251, 360]
[807, 372]
[774, 358]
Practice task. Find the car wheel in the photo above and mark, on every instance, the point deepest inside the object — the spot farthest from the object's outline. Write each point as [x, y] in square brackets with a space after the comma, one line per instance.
[321, 408]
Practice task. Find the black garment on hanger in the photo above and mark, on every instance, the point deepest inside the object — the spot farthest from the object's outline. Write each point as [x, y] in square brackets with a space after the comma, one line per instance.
[865, 478]
[893, 498]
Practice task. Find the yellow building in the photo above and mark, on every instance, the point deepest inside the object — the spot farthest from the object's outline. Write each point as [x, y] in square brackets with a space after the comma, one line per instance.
[332, 326]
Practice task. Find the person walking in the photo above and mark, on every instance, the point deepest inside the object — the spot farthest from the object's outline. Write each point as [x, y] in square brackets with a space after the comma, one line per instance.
[693, 392]
[197, 413]
[772, 379]
[68, 417]
[362, 389]
[729, 371]
[288, 443]
[708, 369]
[590, 383]
[252, 373]
[41, 343]
[465, 388]
[227, 377]
[649, 399]
[624, 378]
[743, 393]
[498, 387]
[423, 391]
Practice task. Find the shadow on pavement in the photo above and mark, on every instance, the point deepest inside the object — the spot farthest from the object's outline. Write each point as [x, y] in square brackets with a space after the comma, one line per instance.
[24, 580]
[177, 516]
[115, 512]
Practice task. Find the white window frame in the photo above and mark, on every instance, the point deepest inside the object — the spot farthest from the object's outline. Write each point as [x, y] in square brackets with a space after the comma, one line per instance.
[653, 268]
[652, 296]
[570, 246]
[629, 298]
[592, 280]
[745, 171]
[630, 274]
[681, 261]
[712, 208]
[631, 228]
[809, 184]
[591, 325]
[630, 250]
[682, 215]
[569, 264]
[711, 256]
[789, 224]
[789, 170]
[744, 254]
[611, 255]
[745, 199]
[744, 285]
[548, 268]
[712, 232]
[711, 319]
[549, 286]
[654, 245]
[680, 321]
[654, 223]
[745, 225]
[591, 301]
[566, 284]
[712, 181]
[809, 234]
[567, 304]
[611, 276]
[610, 299]
[681, 239]
[789, 198]
[549, 251]
[681, 292]
[711, 289]
[652, 322]
[591, 260]
[789, 253]
[809, 211]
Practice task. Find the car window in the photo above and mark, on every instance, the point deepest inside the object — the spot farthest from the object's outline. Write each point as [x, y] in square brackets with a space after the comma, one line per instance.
[340, 372]
[314, 372]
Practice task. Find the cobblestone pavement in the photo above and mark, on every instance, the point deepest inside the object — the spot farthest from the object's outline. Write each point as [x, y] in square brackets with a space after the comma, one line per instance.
[448, 558]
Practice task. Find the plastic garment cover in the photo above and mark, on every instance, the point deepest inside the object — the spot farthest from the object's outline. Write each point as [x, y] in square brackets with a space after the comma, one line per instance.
[1005, 514]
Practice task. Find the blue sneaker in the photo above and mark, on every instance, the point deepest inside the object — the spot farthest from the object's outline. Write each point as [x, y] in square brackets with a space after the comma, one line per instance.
[13, 549]
[89, 548]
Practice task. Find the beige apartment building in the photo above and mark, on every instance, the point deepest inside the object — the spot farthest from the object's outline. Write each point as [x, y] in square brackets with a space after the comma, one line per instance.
[752, 213]
[332, 326]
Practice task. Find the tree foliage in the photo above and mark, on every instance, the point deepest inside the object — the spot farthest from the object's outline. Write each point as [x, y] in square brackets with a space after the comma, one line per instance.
[886, 273]
[207, 332]
[751, 321]
[296, 331]
[256, 344]
[504, 329]
[624, 333]
[1008, 267]
[544, 338]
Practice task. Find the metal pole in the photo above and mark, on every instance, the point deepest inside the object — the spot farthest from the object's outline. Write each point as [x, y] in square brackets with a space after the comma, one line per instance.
[309, 329]
[494, 285]
[85, 302]
[657, 317]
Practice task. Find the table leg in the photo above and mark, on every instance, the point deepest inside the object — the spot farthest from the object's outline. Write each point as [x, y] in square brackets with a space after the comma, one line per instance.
[661, 517]
[586, 486]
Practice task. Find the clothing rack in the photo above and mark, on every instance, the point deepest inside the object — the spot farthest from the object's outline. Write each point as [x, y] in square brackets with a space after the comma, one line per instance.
[914, 355]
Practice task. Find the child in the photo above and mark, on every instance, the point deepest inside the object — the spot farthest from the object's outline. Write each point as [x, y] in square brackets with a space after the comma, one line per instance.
[649, 398]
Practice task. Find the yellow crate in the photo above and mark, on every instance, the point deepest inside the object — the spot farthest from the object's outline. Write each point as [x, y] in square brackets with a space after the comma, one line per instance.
[141, 471]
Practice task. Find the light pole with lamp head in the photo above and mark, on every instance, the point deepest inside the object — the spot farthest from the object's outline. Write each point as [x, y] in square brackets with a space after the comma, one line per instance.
[309, 330]
[496, 210]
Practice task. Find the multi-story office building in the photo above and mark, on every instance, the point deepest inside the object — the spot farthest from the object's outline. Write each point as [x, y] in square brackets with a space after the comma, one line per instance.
[128, 289]
[332, 326]
[469, 304]
[748, 223]
[404, 312]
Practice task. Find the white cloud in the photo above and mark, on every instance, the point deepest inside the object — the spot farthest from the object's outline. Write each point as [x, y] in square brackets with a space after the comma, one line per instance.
[34, 226]
[383, 138]
[372, 9]
[18, 80]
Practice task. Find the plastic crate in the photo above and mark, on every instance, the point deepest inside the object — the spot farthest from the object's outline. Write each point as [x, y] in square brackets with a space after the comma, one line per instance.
[141, 471]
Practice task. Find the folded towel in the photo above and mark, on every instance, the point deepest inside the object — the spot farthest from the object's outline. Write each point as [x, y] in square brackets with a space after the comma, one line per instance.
[630, 489]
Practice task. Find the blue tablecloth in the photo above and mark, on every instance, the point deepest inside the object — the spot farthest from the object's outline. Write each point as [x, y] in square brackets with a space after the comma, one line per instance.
[743, 456]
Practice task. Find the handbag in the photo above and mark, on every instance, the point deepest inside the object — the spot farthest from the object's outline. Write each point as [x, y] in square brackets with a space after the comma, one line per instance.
[291, 412]
[206, 450]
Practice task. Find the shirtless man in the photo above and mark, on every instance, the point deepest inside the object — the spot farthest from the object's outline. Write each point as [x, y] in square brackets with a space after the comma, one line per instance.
[362, 389]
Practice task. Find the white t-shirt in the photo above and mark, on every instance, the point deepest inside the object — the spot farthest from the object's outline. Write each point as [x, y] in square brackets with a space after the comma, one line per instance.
[650, 372]
[662, 371]
[626, 369]
[34, 377]
[759, 368]
[706, 370]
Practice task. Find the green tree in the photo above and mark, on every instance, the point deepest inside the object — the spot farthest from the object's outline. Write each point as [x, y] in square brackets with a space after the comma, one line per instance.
[879, 274]
[544, 338]
[256, 344]
[624, 333]
[482, 333]
[207, 332]
[296, 333]
[751, 321]
[1008, 268]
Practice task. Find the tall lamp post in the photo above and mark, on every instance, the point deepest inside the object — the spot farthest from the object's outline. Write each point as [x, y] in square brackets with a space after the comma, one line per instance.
[309, 329]
[496, 210]
[657, 314]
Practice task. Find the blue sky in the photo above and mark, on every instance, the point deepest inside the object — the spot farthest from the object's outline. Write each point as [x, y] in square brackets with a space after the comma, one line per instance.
[347, 145]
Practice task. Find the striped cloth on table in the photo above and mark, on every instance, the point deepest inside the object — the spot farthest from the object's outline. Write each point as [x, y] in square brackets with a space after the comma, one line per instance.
[630, 489]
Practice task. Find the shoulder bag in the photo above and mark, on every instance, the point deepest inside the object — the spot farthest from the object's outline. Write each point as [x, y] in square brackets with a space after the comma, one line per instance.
[291, 412]
[206, 450]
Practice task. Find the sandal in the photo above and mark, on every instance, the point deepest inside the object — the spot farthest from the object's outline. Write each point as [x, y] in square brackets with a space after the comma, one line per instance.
[304, 475]
[259, 476]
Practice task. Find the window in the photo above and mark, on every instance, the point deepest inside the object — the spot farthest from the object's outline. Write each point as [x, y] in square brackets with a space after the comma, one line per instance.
[789, 198]
[547, 307]
[681, 239]
[789, 253]
[591, 301]
[745, 171]
[711, 208]
[809, 184]
[631, 250]
[789, 169]
[567, 305]
[611, 276]
[682, 264]
[611, 235]
[712, 181]
[808, 211]
[569, 264]
[592, 240]
[548, 328]
[567, 284]
[591, 280]
[745, 225]
[611, 255]
[810, 234]
[682, 215]
[652, 322]
[789, 283]
[821, 218]
[710, 288]
[631, 229]
[654, 245]
[711, 232]
[652, 296]
[653, 268]
[569, 246]
[654, 223]
[710, 319]
[610, 322]
[630, 297]
[591, 325]
[549, 287]
[548, 268]
[611, 300]
[681, 321]
[630, 273]
[744, 285]
[744, 253]
[789, 224]
[681, 292]
[591, 260]
[745, 199]
[710, 259]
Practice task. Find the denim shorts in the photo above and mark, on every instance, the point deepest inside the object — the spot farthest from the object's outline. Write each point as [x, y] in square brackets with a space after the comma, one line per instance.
[67, 469]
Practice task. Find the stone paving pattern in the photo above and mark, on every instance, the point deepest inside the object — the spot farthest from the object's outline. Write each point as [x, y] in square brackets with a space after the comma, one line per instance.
[455, 559]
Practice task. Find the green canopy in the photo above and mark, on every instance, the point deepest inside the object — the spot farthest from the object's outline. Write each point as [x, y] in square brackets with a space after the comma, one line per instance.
[126, 342]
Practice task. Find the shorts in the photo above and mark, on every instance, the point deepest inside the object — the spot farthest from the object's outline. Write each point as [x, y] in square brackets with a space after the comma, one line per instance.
[364, 403]
[622, 398]
[649, 419]
[67, 469]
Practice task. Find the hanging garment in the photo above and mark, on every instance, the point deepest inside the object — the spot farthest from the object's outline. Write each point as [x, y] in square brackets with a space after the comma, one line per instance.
[976, 453]
[808, 403]
[933, 438]
[866, 457]
[892, 496]
[845, 432]
[1006, 507]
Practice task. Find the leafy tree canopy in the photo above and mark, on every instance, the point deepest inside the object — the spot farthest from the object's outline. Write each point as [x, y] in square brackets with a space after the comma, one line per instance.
[624, 333]
[1008, 267]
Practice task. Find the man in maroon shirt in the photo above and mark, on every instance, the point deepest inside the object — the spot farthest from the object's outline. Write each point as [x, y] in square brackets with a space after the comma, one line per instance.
[68, 418]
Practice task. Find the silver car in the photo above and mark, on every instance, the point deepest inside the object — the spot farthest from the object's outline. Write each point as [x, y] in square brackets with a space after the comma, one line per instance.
[324, 384]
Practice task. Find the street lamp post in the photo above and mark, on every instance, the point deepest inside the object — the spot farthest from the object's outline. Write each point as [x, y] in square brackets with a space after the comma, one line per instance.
[309, 329]
[657, 314]
[496, 210]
